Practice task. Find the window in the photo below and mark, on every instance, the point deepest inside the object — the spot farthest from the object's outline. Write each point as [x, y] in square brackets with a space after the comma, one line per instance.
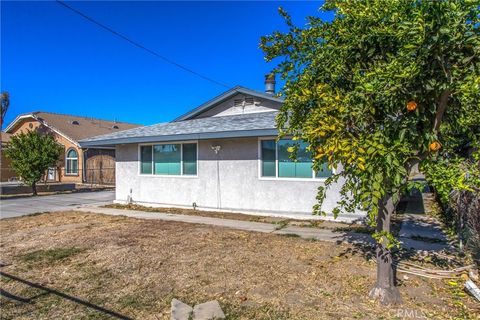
[169, 159]
[276, 161]
[324, 172]
[288, 168]
[72, 162]
[268, 158]
[146, 158]
[190, 159]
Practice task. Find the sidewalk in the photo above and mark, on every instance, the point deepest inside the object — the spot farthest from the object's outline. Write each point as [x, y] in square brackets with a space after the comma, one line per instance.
[419, 227]
[303, 232]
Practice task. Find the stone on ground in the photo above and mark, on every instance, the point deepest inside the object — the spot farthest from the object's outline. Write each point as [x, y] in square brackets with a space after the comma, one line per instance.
[180, 310]
[208, 311]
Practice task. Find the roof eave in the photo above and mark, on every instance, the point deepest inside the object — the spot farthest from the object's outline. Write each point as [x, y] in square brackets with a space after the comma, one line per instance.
[17, 119]
[32, 115]
[182, 137]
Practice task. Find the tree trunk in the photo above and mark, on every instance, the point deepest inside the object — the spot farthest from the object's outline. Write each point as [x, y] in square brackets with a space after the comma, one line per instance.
[385, 290]
[34, 188]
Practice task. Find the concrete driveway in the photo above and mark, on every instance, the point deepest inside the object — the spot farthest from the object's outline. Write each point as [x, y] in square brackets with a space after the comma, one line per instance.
[17, 207]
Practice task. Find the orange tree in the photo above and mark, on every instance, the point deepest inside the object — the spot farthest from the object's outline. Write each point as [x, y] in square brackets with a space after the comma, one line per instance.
[371, 91]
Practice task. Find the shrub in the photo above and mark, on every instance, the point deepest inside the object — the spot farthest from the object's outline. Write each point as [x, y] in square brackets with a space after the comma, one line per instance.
[456, 181]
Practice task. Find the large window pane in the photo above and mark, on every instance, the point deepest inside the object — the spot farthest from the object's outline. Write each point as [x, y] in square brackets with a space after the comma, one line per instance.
[167, 159]
[72, 166]
[299, 168]
[146, 159]
[72, 162]
[324, 172]
[268, 158]
[190, 159]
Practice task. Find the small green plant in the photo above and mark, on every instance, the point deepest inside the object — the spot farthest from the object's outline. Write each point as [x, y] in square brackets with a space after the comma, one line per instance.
[129, 301]
[316, 223]
[360, 229]
[456, 289]
[281, 224]
[291, 235]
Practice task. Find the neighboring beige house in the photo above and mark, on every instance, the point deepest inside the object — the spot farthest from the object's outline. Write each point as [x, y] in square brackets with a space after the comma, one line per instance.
[6, 171]
[91, 165]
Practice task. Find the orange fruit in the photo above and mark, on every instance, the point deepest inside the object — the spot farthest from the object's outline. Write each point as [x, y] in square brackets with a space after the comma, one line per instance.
[411, 106]
[435, 146]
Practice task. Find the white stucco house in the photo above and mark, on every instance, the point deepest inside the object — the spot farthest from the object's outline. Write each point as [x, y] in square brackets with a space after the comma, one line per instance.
[222, 155]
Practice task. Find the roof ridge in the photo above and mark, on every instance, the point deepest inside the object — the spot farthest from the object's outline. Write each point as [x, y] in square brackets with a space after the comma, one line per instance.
[262, 93]
[221, 97]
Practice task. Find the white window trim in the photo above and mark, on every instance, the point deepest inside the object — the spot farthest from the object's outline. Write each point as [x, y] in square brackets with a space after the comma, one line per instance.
[277, 178]
[181, 175]
[66, 162]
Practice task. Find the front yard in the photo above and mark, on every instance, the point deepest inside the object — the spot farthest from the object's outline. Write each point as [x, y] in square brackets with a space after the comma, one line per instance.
[81, 265]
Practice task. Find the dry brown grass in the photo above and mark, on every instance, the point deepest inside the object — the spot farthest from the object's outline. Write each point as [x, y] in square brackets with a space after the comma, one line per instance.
[135, 267]
[281, 222]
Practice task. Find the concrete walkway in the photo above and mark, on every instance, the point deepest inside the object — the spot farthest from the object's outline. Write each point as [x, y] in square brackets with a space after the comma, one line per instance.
[303, 232]
[16, 207]
[419, 229]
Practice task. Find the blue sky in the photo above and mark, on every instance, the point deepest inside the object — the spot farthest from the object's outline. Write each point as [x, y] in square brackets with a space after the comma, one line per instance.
[54, 60]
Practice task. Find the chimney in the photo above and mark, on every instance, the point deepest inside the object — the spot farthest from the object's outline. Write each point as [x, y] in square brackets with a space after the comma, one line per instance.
[270, 83]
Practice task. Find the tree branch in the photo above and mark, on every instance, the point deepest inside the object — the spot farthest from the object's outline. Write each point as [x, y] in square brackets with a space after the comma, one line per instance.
[442, 106]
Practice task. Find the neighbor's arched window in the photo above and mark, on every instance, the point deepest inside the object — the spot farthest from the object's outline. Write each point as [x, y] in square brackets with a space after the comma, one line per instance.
[71, 162]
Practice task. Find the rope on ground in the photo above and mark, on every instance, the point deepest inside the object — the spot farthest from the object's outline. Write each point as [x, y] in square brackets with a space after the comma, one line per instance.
[411, 268]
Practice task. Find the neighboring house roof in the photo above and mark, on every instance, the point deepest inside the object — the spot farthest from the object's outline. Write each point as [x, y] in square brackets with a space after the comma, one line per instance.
[245, 125]
[74, 128]
[224, 96]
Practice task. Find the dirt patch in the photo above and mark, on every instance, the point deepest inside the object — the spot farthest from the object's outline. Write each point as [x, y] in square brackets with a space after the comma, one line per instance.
[135, 267]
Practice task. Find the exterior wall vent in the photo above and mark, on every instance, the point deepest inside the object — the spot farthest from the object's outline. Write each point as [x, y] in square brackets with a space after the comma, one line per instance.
[249, 100]
[238, 102]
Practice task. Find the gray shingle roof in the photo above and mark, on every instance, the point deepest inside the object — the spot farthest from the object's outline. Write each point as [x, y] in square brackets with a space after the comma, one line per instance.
[245, 125]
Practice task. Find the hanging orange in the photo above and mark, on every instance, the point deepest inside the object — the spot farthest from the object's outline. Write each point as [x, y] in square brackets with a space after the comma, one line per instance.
[411, 106]
[435, 146]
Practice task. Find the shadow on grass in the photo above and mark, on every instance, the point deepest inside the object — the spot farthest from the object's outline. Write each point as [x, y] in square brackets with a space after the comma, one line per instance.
[430, 258]
[57, 293]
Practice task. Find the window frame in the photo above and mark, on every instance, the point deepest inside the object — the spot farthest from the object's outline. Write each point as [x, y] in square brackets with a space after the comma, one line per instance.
[69, 158]
[181, 175]
[313, 178]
